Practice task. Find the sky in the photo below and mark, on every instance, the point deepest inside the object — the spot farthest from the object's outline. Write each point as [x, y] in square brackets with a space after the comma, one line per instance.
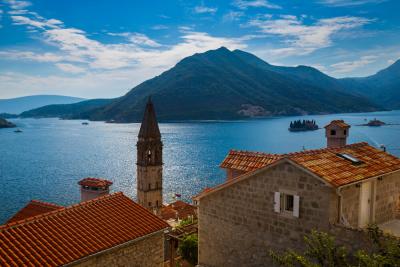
[103, 48]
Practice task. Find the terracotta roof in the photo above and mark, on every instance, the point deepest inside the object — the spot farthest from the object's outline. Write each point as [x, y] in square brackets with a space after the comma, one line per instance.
[178, 210]
[33, 208]
[326, 163]
[339, 123]
[95, 182]
[71, 233]
[247, 161]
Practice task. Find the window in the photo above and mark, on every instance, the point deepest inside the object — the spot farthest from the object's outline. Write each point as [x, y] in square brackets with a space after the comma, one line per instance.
[344, 132]
[149, 186]
[149, 204]
[156, 203]
[287, 203]
[333, 132]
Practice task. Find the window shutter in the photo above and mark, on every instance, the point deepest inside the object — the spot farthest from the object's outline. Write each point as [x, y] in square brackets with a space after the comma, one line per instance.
[296, 206]
[277, 202]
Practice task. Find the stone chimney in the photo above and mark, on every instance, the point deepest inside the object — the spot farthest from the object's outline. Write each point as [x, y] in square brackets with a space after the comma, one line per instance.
[336, 133]
[94, 187]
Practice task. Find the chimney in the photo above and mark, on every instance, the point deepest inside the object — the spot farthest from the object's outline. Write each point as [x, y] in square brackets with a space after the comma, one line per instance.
[336, 133]
[94, 187]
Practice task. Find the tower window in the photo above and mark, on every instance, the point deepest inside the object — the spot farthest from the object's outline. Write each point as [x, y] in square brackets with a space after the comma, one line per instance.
[156, 203]
[149, 186]
[149, 204]
[333, 132]
[149, 155]
[344, 132]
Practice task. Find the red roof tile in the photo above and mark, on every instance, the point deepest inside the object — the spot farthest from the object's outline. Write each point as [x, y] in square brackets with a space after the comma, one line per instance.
[178, 210]
[95, 182]
[68, 234]
[339, 123]
[326, 163]
[33, 208]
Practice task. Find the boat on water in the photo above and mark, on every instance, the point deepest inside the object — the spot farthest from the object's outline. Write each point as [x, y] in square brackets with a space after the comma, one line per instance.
[18, 131]
[85, 123]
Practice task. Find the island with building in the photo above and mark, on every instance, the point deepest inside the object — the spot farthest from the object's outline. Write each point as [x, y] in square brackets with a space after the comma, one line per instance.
[303, 125]
[375, 123]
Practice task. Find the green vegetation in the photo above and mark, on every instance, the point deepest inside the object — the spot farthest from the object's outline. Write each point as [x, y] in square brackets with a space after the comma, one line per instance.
[223, 84]
[186, 222]
[6, 124]
[188, 248]
[321, 250]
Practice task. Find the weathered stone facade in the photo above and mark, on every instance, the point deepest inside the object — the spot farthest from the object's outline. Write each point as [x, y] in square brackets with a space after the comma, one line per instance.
[387, 198]
[238, 224]
[148, 251]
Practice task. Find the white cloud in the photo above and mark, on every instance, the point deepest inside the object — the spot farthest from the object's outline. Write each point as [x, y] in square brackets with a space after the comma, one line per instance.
[244, 4]
[142, 39]
[301, 38]
[204, 9]
[232, 16]
[344, 3]
[28, 55]
[159, 27]
[42, 23]
[349, 66]
[70, 68]
[16, 4]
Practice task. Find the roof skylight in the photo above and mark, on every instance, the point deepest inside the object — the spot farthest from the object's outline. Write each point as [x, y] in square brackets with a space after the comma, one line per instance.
[350, 158]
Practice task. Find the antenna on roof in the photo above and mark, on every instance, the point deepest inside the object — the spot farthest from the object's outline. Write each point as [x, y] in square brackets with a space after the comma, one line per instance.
[304, 148]
[383, 147]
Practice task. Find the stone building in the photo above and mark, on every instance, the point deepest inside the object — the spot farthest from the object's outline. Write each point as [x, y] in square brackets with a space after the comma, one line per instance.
[149, 162]
[111, 230]
[271, 201]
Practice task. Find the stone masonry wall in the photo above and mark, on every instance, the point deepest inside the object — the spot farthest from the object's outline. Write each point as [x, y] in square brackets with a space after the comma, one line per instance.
[238, 225]
[350, 204]
[146, 252]
[387, 198]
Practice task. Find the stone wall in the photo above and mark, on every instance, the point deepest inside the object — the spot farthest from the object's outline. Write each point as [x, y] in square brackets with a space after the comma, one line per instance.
[146, 252]
[351, 204]
[387, 198]
[238, 225]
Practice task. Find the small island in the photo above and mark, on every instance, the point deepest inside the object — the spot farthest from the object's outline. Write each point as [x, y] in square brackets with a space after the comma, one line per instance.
[303, 125]
[374, 123]
[6, 124]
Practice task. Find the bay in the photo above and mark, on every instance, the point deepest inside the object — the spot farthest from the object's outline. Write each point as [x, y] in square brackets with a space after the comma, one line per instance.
[50, 156]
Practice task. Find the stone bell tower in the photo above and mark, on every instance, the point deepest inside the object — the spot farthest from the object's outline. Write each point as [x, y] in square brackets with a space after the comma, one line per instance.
[149, 162]
[336, 133]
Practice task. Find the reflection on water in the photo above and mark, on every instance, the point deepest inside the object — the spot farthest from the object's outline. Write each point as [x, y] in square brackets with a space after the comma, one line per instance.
[48, 159]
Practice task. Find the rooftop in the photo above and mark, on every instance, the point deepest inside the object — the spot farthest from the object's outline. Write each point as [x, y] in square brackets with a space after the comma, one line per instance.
[33, 208]
[338, 166]
[94, 182]
[339, 123]
[65, 235]
[178, 210]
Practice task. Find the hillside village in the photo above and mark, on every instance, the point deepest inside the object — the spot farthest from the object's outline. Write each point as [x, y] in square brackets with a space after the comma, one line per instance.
[268, 202]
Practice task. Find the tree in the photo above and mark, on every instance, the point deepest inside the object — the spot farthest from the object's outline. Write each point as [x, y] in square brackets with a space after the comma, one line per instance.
[321, 250]
[188, 248]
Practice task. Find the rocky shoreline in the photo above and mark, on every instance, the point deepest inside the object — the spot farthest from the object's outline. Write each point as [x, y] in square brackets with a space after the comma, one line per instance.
[6, 124]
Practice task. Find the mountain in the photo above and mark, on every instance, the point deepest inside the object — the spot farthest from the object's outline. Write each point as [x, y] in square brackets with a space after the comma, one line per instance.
[224, 84]
[383, 87]
[21, 104]
[67, 111]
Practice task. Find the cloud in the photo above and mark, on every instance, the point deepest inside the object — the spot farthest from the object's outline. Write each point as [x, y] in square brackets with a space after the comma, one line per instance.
[232, 16]
[345, 3]
[244, 4]
[159, 27]
[42, 23]
[28, 55]
[15, 4]
[204, 9]
[70, 68]
[349, 66]
[301, 38]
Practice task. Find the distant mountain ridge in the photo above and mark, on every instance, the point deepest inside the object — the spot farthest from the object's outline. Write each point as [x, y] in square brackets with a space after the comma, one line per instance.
[21, 104]
[224, 84]
[383, 87]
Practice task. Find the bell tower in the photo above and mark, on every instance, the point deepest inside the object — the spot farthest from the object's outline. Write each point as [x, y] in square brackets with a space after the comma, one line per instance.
[149, 161]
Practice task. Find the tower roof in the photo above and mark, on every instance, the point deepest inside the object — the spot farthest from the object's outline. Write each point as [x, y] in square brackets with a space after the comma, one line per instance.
[339, 123]
[149, 127]
[94, 182]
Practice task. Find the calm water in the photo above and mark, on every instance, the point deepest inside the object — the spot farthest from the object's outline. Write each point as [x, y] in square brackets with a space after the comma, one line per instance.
[48, 159]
